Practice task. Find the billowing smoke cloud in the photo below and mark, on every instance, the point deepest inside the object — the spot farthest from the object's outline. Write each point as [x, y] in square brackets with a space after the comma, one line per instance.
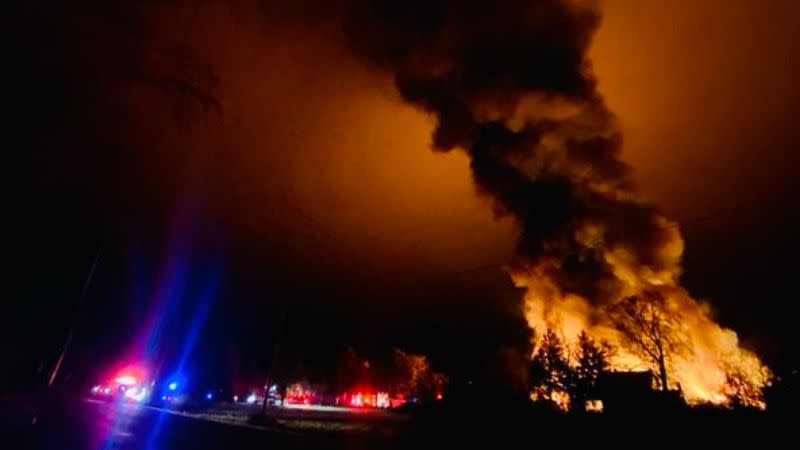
[510, 84]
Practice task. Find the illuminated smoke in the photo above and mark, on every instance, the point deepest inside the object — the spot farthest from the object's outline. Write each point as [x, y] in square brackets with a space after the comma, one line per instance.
[510, 84]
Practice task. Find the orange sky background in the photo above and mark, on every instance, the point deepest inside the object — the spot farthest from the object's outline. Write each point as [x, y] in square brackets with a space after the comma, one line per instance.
[706, 92]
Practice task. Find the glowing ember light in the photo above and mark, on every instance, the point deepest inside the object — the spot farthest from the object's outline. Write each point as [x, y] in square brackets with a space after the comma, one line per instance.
[561, 399]
[126, 380]
[595, 406]
[439, 396]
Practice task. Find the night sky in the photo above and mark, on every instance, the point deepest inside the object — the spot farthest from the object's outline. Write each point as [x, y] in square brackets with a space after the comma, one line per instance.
[245, 156]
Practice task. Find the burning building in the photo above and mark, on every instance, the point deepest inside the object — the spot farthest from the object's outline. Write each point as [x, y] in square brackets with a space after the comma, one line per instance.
[630, 392]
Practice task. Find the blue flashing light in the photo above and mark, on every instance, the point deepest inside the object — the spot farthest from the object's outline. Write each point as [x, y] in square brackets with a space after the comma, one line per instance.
[209, 396]
[173, 385]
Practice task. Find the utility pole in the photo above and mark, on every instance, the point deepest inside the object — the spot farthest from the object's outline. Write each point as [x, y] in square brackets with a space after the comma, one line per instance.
[274, 361]
[75, 314]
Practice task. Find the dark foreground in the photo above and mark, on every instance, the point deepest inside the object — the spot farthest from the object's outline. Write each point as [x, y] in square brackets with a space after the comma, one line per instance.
[76, 424]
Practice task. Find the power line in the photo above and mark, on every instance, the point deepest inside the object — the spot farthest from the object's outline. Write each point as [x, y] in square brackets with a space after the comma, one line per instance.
[75, 315]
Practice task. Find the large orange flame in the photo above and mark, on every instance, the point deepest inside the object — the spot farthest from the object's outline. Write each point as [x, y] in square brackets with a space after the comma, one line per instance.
[714, 355]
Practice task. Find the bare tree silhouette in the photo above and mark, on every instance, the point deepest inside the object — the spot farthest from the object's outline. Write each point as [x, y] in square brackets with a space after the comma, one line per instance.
[652, 328]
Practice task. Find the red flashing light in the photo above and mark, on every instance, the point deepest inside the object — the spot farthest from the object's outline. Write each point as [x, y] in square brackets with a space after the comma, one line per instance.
[366, 399]
[126, 380]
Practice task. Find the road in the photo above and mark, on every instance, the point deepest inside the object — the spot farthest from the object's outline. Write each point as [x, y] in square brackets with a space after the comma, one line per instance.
[80, 424]
[71, 424]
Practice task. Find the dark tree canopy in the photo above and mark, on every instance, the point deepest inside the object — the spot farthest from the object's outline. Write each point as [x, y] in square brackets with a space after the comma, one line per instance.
[567, 377]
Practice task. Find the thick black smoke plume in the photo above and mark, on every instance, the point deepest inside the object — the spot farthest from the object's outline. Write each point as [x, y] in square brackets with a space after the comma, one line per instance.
[510, 83]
